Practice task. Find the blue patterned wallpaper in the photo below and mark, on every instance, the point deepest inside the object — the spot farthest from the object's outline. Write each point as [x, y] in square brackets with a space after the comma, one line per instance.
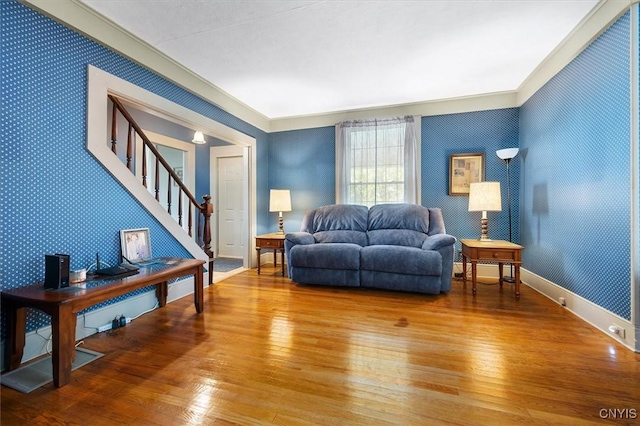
[304, 162]
[55, 197]
[471, 132]
[575, 181]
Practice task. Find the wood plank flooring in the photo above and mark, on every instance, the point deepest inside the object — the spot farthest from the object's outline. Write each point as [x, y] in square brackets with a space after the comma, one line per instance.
[267, 351]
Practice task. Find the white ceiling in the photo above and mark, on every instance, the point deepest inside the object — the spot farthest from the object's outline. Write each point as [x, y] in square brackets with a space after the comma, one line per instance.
[295, 58]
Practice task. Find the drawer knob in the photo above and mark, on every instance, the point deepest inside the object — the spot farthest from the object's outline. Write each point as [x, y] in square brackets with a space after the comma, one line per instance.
[495, 254]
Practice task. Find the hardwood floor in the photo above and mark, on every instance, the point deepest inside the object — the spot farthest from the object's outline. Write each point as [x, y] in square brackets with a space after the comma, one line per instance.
[266, 351]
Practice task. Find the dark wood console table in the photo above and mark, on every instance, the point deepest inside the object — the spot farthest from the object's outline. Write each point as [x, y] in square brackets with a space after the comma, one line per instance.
[63, 305]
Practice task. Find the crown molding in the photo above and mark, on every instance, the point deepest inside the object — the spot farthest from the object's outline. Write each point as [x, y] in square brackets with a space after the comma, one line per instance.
[81, 18]
[487, 101]
[591, 27]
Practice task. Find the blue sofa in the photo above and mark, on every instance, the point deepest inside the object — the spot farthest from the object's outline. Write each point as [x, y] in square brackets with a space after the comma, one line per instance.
[390, 246]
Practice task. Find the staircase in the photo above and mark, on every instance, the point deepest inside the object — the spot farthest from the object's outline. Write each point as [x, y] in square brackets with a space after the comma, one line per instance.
[190, 213]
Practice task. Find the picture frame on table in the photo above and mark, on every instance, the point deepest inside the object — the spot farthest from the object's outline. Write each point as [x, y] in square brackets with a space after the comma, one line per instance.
[465, 169]
[135, 244]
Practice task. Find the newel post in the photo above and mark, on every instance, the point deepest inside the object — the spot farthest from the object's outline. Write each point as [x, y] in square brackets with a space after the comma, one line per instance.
[207, 211]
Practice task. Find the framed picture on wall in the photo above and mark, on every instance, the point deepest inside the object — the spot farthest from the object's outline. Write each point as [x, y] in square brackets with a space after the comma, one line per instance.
[465, 169]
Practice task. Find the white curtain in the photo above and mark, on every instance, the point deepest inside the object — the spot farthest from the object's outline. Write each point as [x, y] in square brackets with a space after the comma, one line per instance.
[358, 133]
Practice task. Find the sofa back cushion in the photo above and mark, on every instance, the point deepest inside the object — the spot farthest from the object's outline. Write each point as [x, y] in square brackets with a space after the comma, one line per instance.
[337, 223]
[398, 224]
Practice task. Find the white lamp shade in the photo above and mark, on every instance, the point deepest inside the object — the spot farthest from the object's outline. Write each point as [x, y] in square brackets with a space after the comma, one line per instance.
[280, 200]
[198, 138]
[485, 197]
[507, 153]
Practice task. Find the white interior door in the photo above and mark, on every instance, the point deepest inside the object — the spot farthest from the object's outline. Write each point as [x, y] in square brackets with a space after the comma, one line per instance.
[230, 207]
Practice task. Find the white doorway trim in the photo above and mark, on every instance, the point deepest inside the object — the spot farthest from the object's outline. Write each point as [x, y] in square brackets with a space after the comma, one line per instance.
[248, 193]
[100, 84]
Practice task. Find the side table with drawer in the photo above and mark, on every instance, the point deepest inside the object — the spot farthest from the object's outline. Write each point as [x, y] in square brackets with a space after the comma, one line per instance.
[273, 241]
[500, 251]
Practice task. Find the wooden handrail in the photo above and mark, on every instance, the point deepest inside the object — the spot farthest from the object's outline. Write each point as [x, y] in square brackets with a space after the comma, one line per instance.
[205, 208]
[152, 148]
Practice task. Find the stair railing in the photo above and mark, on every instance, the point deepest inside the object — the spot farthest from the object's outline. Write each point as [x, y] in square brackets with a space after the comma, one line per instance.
[204, 209]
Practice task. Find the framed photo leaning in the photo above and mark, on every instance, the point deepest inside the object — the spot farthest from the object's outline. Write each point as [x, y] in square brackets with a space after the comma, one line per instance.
[135, 244]
[463, 170]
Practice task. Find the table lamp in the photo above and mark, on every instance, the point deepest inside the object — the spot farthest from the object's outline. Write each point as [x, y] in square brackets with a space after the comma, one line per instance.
[484, 197]
[280, 201]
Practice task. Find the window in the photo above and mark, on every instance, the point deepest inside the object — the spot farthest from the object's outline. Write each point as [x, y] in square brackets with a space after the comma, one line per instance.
[377, 161]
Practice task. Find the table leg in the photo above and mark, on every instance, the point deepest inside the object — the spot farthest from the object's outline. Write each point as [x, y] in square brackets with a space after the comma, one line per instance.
[500, 269]
[211, 260]
[275, 258]
[258, 252]
[161, 293]
[16, 327]
[474, 276]
[282, 260]
[464, 269]
[198, 289]
[63, 333]
[517, 280]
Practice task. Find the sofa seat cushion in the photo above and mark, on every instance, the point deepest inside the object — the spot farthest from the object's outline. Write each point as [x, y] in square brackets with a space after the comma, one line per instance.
[401, 260]
[326, 256]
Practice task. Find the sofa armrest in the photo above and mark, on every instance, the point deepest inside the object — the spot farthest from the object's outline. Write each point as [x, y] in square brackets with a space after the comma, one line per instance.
[299, 238]
[436, 242]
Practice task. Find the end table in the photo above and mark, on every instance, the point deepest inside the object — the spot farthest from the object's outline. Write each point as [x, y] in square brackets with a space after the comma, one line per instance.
[499, 251]
[273, 241]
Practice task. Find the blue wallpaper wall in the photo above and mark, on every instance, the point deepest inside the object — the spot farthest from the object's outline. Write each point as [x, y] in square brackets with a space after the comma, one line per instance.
[61, 200]
[481, 131]
[304, 162]
[575, 181]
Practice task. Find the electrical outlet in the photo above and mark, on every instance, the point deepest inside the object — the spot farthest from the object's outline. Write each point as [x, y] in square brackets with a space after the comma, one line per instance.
[617, 330]
[562, 301]
[110, 326]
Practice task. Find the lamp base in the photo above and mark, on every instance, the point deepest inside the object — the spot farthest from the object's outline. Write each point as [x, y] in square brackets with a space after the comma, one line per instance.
[508, 279]
[484, 234]
[280, 224]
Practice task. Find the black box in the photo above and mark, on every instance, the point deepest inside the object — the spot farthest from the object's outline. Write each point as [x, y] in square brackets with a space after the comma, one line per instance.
[56, 271]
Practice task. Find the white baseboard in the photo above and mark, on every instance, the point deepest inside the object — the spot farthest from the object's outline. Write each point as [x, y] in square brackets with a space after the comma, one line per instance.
[36, 342]
[484, 270]
[584, 309]
[267, 258]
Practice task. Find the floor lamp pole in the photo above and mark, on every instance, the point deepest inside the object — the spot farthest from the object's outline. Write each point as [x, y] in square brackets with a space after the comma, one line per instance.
[510, 278]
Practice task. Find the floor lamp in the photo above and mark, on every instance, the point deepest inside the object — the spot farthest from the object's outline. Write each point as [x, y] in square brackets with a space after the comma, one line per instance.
[507, 155]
